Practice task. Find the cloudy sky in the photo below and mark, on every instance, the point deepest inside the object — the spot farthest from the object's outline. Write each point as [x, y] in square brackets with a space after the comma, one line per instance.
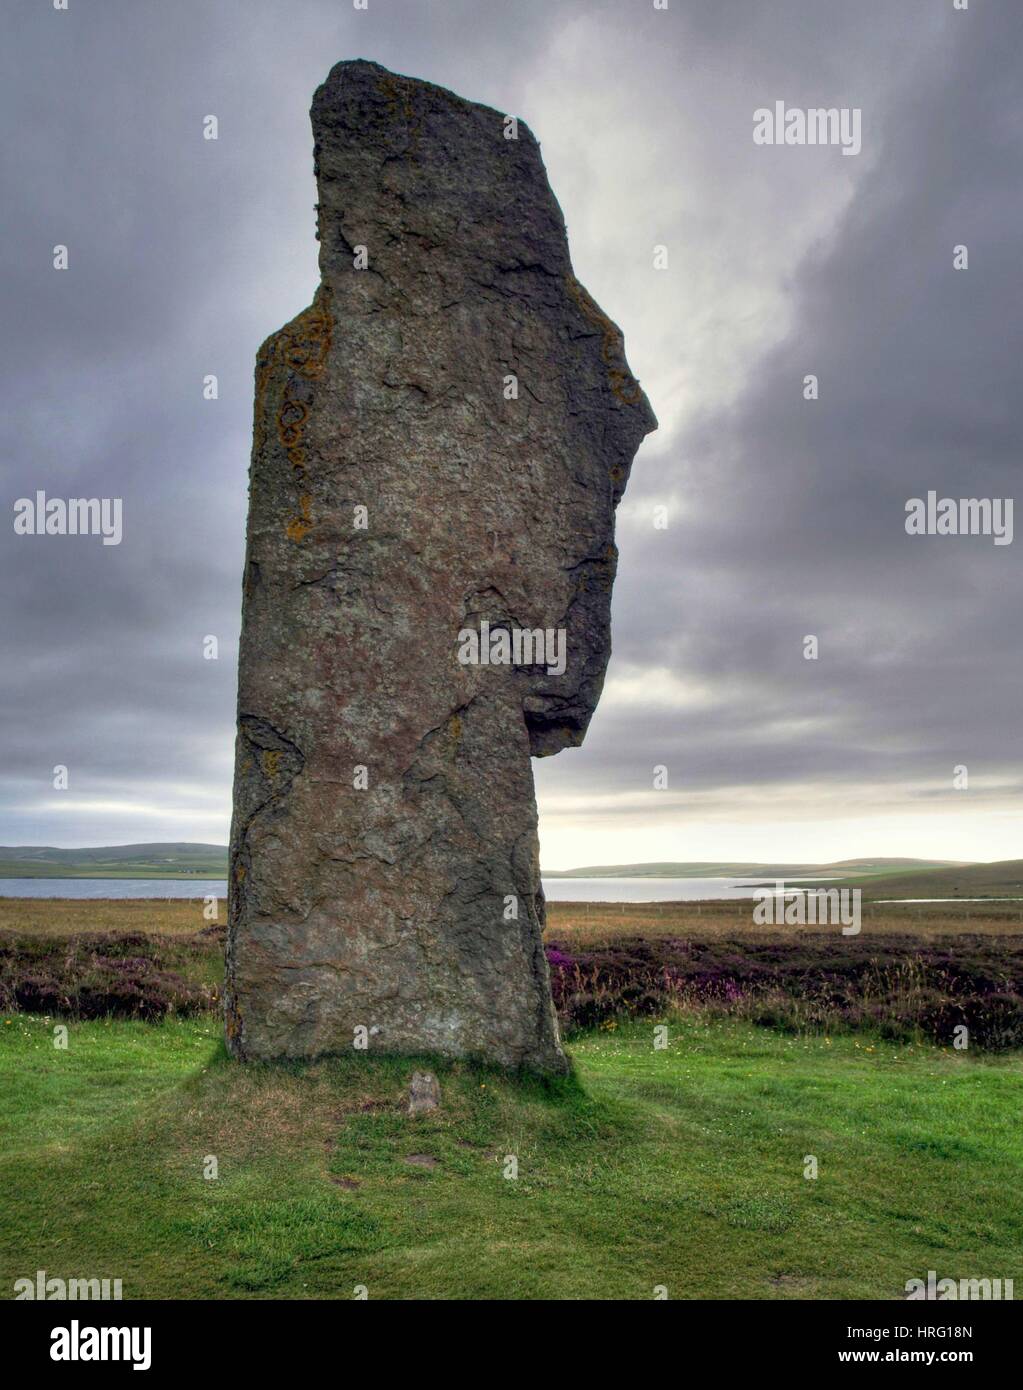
[786, 517]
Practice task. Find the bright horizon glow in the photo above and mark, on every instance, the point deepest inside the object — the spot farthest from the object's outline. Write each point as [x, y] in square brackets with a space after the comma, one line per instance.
[867, 839]
[985, 839]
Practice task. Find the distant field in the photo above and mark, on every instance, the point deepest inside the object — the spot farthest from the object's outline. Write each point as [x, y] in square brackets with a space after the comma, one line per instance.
[63, 916]
[585, 923]
[596, 923]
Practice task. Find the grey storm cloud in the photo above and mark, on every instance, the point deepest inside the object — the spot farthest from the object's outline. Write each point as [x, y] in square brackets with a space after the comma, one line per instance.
[786, 516]
[796, 516]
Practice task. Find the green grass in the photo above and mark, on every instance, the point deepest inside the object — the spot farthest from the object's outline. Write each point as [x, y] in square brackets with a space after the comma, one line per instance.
[681, 1167]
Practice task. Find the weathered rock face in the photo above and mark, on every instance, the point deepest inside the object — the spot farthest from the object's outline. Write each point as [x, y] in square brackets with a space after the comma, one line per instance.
[404, 494]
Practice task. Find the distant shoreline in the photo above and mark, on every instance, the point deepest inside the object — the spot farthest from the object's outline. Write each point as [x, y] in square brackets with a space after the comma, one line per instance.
[124, 878]
[42, 869]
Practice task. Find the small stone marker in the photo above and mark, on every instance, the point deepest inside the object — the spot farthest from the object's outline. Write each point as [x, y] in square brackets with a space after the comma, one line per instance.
[424, 1093]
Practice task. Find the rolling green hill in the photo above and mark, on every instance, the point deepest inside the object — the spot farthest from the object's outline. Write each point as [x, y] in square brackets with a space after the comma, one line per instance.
[1001, 879]
[172, 860]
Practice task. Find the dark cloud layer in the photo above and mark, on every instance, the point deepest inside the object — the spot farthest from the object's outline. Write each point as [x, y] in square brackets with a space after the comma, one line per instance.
[787, 516]
[795, 523]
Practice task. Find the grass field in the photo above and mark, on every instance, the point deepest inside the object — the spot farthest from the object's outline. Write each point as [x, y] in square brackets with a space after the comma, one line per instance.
[682, 1167]
[587, 923]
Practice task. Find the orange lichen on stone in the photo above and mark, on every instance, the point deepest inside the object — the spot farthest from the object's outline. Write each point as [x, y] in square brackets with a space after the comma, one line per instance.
[302, 347]
[271, 762]
[305, 341]
[300, 526]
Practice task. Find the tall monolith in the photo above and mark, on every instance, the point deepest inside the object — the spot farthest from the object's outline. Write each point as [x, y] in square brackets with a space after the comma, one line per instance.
[440, 443]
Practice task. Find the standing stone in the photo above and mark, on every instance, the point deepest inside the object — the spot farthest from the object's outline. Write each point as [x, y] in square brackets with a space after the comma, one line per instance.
[440, 442]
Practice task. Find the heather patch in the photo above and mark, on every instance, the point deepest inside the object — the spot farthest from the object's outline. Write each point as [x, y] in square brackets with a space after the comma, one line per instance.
[109, 974]
[899, 987]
